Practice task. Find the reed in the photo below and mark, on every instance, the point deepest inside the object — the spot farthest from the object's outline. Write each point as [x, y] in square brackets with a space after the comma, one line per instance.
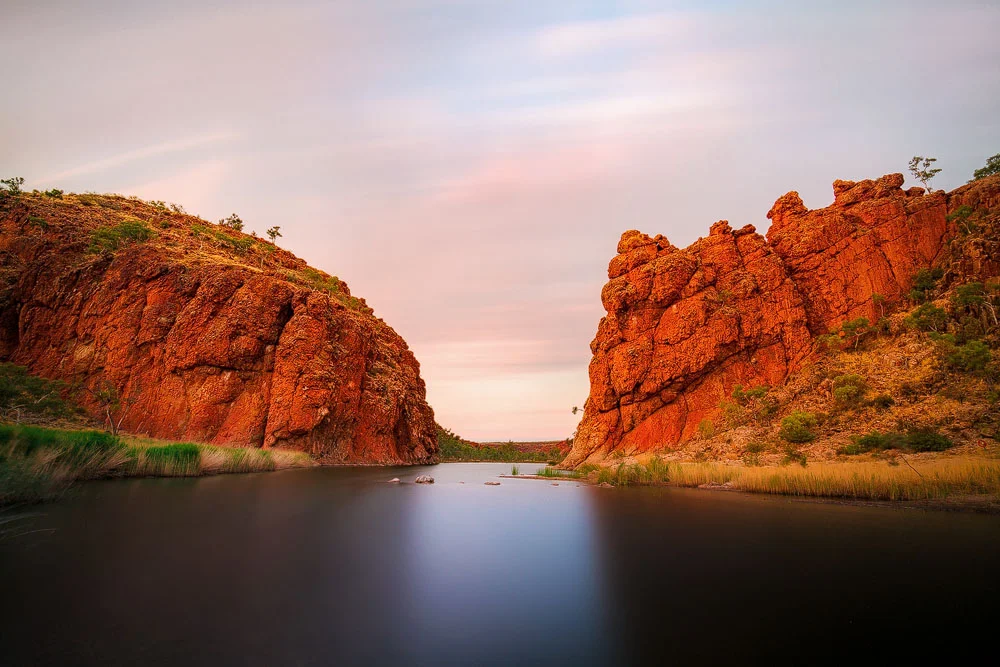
[40, 463]
[932, 479]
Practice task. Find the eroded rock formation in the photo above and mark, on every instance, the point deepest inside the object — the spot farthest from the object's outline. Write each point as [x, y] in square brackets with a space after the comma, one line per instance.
[205, 334]
[685, 326]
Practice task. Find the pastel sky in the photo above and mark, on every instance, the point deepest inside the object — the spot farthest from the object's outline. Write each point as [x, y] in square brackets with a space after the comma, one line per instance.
[468, 166]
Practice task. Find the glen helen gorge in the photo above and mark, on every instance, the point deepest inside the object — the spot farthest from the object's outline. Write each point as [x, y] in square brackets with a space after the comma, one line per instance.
[781, 445]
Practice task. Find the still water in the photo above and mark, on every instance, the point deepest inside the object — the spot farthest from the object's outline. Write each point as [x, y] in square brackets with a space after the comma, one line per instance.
[332, 566]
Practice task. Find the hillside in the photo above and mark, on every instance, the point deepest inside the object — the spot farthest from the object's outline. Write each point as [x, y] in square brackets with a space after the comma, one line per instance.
[177, 328]
[713, 350]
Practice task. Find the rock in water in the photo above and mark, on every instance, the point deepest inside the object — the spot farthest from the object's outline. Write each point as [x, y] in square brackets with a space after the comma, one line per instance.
[684, 327]
[492, 483]
[424, 479]
[204, 333]
[394, 480]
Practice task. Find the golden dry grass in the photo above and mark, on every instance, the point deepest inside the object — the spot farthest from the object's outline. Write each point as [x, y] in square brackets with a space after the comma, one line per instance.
[868, 480]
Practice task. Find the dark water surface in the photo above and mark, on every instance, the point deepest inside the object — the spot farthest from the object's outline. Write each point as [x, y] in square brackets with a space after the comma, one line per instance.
[334, 567]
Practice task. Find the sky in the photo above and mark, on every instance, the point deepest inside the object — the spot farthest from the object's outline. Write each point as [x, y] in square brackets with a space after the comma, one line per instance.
[468, 166]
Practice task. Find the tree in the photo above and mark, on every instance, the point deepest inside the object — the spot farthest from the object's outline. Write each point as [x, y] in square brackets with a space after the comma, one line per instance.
[273, 233]
[856, 329]
[12, 186]
[233, 222]
[992, 167]
[921, 169]
[107, 397]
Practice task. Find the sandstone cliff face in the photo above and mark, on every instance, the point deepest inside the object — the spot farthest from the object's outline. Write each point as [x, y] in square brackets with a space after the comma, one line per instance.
[206, 334]
[684, 327]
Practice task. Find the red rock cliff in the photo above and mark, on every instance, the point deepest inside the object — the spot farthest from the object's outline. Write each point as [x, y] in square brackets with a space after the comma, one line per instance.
[206, 334]
[685, 326]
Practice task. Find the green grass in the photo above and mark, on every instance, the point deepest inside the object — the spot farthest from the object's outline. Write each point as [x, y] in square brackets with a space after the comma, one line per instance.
[109, 238]
[553, 473]
[174, 460]
[514, 470]
[39, 463]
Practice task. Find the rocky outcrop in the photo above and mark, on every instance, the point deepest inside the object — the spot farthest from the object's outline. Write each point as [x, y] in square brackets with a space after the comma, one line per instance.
[685, 326]
[204, 333]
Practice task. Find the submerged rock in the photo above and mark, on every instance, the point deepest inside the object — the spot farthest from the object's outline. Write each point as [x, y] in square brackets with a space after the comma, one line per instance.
[394, 480]
[492, 483]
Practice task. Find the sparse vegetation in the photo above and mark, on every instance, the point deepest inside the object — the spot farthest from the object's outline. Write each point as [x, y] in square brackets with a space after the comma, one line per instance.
[273, 233]
[991, 167]
[109, 238]
[924, 283]
[53, 193]
[232, 222]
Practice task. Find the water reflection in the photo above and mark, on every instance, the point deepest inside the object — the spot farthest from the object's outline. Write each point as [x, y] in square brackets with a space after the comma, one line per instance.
[334, 566]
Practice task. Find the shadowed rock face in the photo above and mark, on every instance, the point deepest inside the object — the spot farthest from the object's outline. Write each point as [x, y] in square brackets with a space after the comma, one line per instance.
[244, 346]
[685, 326]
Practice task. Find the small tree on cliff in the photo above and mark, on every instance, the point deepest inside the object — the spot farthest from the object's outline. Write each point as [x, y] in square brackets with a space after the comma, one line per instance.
[921, 169]
[233, 222]
[992, 167]
[273, 233]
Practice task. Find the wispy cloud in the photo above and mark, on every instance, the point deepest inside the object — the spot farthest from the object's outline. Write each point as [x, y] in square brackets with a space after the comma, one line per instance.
[583, 37]
[154, 150]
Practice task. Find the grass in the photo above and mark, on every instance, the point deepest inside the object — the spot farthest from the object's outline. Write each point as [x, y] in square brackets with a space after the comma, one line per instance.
[109, 238]
[41, 463]
[514, 470]
[553, 473]
[934, 479]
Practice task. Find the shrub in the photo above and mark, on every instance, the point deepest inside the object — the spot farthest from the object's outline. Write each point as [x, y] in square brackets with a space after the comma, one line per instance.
[798, 427]
[927, 317]
[924, 282]
[793, 455]
[11, 186]
[992, 167]
[54, 193]
[969, 296]
[41, 223]
[22, 394]
[972, 357]
[232, 222]
[849, 390]
[745, 396]
[961, 217]
[927, 441]
[706, 428]
[883, 401]
[109, 238]
[914, 441]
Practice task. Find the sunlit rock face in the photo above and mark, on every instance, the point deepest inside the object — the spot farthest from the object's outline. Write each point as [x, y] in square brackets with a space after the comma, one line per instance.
[685, 326]
[206, 334]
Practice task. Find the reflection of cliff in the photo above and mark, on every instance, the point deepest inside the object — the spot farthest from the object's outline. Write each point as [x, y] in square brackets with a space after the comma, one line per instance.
[205, 333]
[684, 326]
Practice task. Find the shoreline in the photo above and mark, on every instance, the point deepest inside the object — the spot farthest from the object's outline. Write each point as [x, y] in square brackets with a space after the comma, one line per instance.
[940, 488]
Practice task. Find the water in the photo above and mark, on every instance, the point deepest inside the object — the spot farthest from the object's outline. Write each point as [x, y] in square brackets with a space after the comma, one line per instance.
[333, 566]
